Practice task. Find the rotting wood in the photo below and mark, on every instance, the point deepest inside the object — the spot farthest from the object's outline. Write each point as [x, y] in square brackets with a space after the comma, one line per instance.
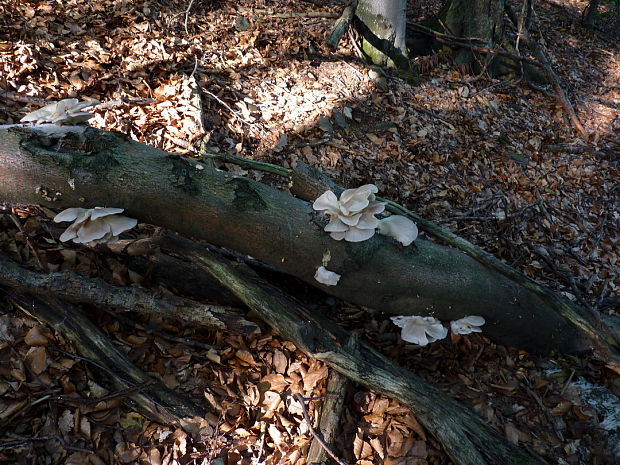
[63, 167]
[74, 288]
[148, 396]
[466, 438]
[331, 413]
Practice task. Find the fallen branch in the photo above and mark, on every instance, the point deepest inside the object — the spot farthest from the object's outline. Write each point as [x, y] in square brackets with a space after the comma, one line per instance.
[340, 27]
[331, 412]
[553, 78]
[74, 288]
[152, 398]
[470, 43]
[316, 436]
[465, 437]
[274, 227]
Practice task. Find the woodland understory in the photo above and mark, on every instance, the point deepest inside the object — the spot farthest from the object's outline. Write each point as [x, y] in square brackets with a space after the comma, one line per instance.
[219, 347]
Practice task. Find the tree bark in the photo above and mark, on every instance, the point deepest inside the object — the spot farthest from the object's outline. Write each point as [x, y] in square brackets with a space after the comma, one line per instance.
[67, 167]
[382, 25]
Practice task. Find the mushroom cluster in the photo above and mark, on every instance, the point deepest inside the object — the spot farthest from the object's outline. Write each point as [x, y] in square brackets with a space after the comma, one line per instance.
[467, 325]
[94, 226]
[353, 215]
[67, 111]
[422, 330]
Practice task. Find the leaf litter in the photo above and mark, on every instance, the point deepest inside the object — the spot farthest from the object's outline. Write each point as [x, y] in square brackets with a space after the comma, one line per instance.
[493, 161]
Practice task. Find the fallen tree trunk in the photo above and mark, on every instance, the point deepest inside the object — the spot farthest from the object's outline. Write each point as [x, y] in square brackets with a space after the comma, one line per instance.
[64, 167]
[466, 438]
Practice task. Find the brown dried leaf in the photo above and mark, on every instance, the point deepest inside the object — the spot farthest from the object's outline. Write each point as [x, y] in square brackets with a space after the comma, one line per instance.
[37, 360]
[37, 336]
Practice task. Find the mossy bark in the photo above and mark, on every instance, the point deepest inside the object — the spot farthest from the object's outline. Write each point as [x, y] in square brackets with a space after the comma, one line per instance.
[88, 167]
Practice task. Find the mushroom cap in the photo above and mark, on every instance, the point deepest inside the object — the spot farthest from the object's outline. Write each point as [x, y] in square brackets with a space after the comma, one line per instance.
[467, 325]
[119, 223]
[99, 212]
[64, 111]
[420, 330]
[350, 220]
[92, 230]
[355, 200]
[400, 228]
[355, 234]
[368, 221]
[46, 113]
[336, 225]
[325, 276]
[338, 235]
[327, 202]
[70, 214]
[95, 225]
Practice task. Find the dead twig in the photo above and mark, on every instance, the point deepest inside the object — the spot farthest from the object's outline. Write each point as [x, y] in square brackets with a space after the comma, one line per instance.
[302, 401]
[229, 108]
[289, 14]
[189, 7]
[122, 101]
[28, 242]
[545, 65]
[421, 109]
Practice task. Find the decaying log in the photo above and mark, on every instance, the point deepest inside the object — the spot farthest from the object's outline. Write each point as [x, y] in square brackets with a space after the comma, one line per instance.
[72, 287]
[64, 167]
[466, 438]
[148, 396]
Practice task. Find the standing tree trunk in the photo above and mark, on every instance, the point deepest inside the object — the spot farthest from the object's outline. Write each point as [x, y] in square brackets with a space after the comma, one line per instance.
[382, 25]
[587, 18]
[480, 20]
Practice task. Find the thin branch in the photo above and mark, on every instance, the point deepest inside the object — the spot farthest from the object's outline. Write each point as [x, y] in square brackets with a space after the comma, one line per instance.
[300, 399]
[189, 7]
[289, 14]
[545, 65]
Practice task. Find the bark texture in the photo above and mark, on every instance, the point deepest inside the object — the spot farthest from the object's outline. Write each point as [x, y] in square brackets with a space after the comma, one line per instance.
[382, 25]
[68, 167]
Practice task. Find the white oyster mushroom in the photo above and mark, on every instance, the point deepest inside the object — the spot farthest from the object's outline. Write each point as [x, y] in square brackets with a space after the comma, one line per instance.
[325, 276]
[420, 330]
[67, 111]
[94, 226]
[400, 228]
[353, 216]
[467, 325]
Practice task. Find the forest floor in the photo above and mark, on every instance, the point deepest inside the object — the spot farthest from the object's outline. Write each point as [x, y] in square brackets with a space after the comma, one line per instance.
[494, 161]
